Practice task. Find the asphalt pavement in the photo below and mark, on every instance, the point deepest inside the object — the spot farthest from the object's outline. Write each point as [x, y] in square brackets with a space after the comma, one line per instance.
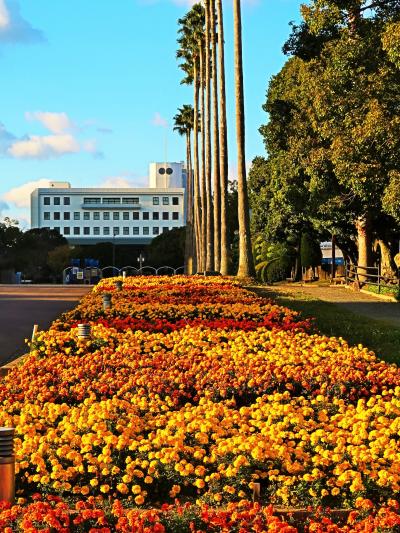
[22, 306]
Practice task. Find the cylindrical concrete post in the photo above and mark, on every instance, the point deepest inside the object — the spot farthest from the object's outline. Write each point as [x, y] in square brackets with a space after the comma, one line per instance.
[118, 284]
[106, 300]
[84, 331]
[124, 274]
[7, 465]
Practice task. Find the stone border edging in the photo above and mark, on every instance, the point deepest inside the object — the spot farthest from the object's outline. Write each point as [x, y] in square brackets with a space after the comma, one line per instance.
[379, 296]
[4, 370]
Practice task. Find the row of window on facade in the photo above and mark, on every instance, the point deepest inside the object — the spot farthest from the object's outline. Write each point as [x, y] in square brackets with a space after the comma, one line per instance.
[126, 215]
[107, 230]
[110, 201]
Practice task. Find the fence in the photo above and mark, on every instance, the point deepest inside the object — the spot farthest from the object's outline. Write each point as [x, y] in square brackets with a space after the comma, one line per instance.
[88, 276]
[370, 275]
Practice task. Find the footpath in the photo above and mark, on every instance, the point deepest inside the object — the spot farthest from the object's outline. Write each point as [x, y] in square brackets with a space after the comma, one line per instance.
[358, 302]
[22, 306]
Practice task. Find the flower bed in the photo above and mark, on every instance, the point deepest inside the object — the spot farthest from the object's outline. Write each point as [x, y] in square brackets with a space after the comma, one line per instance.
[198, 401]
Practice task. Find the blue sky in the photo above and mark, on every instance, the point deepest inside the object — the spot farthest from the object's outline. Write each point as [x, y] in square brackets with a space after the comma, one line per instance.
[89, 89]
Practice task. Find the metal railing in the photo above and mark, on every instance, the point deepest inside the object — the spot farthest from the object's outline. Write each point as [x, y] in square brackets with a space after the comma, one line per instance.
[129, 270]
[370, 276]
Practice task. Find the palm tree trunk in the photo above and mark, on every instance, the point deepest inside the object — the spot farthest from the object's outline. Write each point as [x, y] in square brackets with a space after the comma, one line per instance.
[203, 168]
[223, 144]
[189, 209]
[196, 198]
[216, 169]
[209, 229]
[246, 264]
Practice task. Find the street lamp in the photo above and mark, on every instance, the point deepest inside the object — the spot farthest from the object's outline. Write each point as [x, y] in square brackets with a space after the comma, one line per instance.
[140, 260]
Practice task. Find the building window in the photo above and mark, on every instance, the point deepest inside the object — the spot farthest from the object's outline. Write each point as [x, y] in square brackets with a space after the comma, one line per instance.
[96, 215]
[165, 200]
[156, 215]
[116, 215]
[135, 215]
[125, 230]
[135, 230]
[132, 201]
[165, 216]
[46, 200]
[175, 200]
[106, 215]
[111, 200]
[86, 230]
[156, 230]
[86, 216]
[67, 200]
[164, 230]
[57, 215]
[92, 201]
[77, 230]
[106, 231]
[146, 230]
[125, 215]
[146, 215]
[57, 229]
[67, 215]
[175, 215]
[77, 215]
[96, 230]
[115, 231]
[66, 230]
[156, 200]
[56, 200]
[46, 215]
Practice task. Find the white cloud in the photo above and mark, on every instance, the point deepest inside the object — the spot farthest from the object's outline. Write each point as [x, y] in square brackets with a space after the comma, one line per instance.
[4, 15]
[55, 122]
[158, 120]
[37, 147]
[21, 196]
[14, 28]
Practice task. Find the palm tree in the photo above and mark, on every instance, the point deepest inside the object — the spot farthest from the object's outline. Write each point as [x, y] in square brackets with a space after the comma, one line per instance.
[184, 122]
[216, 169]
[208, 163]
[190, 41]
[246, 264]
[223, 144]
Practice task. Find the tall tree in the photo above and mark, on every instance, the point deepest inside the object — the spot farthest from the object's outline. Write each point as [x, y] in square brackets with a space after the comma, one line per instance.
[223, 143]
[184, 122]
[216, 160]
[246, 264]
[208, 154]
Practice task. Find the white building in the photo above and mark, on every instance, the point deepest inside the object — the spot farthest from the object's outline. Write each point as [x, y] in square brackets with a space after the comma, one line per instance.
[122, 216]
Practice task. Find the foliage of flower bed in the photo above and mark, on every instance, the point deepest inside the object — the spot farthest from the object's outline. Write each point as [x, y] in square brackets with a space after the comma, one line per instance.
[198, 400]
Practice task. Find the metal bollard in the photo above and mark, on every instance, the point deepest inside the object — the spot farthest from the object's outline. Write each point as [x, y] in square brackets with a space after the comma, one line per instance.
[118, 285]
[106, 300]
[84, 331]
[7, 465]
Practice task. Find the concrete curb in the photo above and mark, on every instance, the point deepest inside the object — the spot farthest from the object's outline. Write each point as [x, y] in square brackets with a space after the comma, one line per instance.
[373, 294]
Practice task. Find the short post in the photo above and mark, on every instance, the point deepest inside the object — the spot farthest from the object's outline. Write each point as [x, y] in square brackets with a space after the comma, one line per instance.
[118, 284]
[84, 331]
[106, 301]
[34, 331]
[123, 274]
[256, 492]
[7, 465]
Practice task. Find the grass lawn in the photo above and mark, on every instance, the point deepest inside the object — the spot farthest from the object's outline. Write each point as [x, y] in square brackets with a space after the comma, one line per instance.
[333, 320]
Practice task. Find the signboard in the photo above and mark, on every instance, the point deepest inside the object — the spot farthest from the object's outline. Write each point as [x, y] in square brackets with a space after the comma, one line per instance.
[79, 275]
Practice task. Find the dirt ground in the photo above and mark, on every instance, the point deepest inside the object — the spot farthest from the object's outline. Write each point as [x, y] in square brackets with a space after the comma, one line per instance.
[357, 302]
[22, 306]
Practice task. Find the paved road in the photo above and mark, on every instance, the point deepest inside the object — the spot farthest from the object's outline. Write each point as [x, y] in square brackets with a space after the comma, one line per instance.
[358, 302]
[22, 306]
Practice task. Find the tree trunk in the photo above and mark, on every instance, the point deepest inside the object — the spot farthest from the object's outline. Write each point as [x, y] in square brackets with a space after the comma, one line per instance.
[189, 209]
[209, 230]
[223, 144]
[388, 267]
[364, 247]
[196, 198]
[246, 264]
[203, 168]
[216, 169]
